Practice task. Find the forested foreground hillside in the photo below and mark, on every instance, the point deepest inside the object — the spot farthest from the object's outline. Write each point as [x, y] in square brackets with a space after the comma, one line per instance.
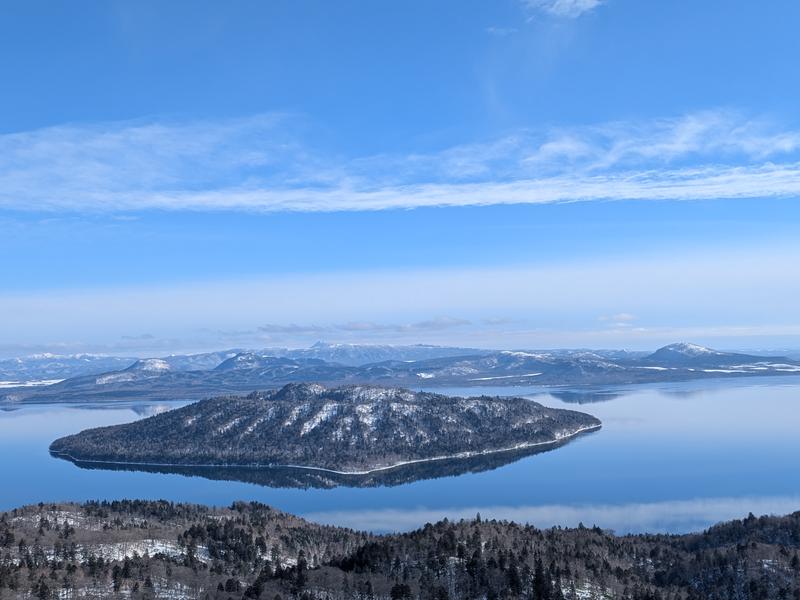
[142, 549]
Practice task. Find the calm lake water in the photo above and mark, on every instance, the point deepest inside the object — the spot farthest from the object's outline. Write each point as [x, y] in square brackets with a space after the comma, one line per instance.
[670, 457]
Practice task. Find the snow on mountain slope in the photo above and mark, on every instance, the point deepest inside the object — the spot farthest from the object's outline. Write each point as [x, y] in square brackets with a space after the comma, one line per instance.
[152, 365]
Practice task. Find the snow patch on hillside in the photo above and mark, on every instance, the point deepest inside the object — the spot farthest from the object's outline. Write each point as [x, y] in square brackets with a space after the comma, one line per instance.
[327, 411]
[366, 415]
[115, 378]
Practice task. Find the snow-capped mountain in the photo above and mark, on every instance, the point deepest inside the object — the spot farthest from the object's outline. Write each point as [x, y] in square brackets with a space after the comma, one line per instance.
[684, 354]
[150, 365]
[362, 354]
[247, 360]
[198, 362]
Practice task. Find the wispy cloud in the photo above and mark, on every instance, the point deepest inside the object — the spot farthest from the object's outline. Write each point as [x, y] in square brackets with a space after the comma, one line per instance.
[436, 324]
[723, 135]
[619, 317]
[262, 164]
[618, 320]
[501, 31]
[563, 8]
[676, 297]
[668, 517]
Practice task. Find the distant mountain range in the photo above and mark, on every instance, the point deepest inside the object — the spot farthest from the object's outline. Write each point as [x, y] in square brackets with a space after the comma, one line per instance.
[351, 430]
[193, 377]
[47, 366]
[355, 355]
[38, 367]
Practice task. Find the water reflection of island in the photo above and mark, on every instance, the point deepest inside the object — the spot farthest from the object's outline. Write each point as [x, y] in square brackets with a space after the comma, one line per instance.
[585, 396]
[299, 477]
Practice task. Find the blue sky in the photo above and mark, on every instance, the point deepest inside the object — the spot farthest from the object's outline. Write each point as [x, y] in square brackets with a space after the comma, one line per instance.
[516, 173]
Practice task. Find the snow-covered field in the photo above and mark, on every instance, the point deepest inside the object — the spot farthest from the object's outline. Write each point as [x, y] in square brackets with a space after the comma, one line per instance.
[35, 383]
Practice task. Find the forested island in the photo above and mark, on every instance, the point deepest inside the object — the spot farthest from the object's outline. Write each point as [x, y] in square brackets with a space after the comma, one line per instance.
[353, 430]
[155, 549]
